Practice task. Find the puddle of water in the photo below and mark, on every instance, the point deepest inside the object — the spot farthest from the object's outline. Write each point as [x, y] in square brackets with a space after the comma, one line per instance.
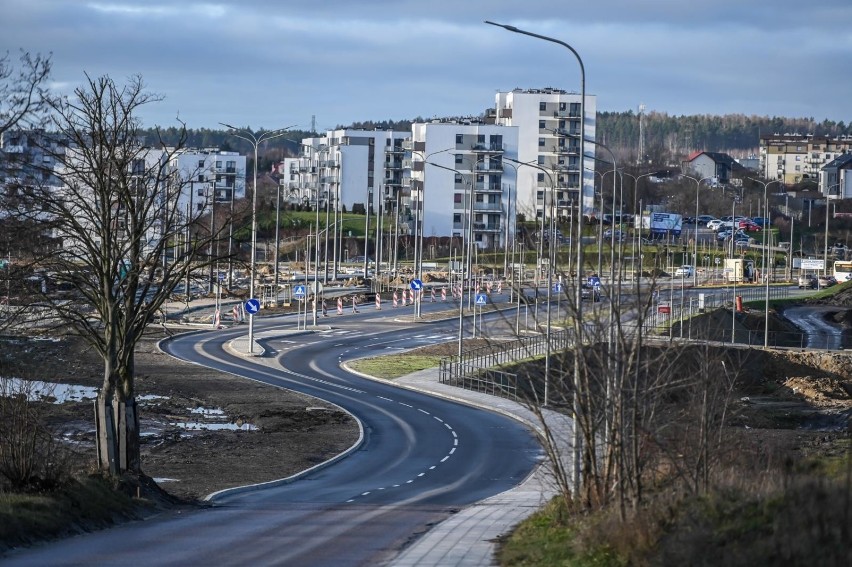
[207, 412]
[202, 426]
[36, 390]
[150, 398]
[162, 480]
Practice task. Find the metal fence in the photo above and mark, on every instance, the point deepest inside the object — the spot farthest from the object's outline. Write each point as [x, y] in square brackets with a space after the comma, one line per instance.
[477, 369]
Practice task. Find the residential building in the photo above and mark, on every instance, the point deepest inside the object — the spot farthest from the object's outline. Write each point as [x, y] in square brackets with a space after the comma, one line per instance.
[794, 158]
[29, 157]
[836, 178]
[549, 128]
[713, 165]
[210, 177]
[453, 163]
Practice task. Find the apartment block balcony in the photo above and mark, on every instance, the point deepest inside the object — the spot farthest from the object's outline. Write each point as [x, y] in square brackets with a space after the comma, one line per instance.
[567, 150]
[566, 167]
[572, 114]
[487, 227]
[483, 187]
[481, 148]
[395, 164]
[573, 132]
[491, 207]
[486, 167]
[401, 149]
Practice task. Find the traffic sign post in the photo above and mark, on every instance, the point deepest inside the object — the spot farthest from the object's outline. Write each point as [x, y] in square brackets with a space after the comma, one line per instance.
[299, 292]
[252, 306]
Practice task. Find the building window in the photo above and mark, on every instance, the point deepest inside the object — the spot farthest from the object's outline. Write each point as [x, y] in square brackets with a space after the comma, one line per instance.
[201, 178]
[457, 218]
[563, 106]
[458, 178]
[798, 158]
[541, 160]
[459, 138]
[458, 159]
[480, 138]
[541, 177]
[542, 124]
[541, 142]
[798, 168]
[457, 198]
[542, 106]
[201, 163]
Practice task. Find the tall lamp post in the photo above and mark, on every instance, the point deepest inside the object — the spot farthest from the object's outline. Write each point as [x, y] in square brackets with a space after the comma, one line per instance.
[766, 255]
[255, 140]
[695, 240]
[419, 218]
[579, 294]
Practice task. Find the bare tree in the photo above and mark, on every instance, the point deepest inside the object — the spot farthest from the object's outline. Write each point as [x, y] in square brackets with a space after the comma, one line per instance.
[118, 216]
[23, 90]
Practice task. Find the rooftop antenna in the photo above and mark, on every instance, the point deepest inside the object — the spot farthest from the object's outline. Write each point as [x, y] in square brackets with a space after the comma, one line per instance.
[313, 123]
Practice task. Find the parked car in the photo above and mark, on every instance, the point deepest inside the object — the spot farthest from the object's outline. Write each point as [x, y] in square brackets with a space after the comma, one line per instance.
[685, 271]
[742, 242]
[826, 281]
[704, 219]
[608, 235]
[749, 226]
[807, 281]
[713, 224]
[590, 292]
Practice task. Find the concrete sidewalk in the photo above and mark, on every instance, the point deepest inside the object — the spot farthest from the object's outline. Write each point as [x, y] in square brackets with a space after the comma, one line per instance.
[467, 538]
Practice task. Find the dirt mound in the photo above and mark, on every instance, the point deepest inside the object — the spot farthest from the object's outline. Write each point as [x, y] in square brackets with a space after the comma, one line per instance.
[821, 391]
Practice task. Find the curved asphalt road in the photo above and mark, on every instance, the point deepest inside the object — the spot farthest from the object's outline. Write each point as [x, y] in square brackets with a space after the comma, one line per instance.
[421, 459]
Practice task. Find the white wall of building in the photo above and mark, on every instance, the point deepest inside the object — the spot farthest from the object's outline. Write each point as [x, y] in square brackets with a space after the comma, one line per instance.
[537, 144]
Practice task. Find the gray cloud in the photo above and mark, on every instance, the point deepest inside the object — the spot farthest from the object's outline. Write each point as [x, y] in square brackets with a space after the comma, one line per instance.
[265, 63]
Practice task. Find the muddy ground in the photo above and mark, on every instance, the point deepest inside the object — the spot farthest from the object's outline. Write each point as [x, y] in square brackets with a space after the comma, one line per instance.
[256, 432]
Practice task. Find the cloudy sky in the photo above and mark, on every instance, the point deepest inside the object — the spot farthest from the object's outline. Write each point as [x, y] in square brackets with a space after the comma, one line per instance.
[265, 63]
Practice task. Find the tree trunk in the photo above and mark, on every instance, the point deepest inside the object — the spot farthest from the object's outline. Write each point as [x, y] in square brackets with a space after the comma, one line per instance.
[117, 435]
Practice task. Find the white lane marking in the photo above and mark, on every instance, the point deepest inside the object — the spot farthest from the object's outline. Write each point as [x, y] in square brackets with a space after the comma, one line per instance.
[364, 493]
[438, 418]
[445, 458]
[453, 450]
[384, 398]
[406, 405]
[455, 442]
[456, 435]
[409, 481]
[396, 486]
[432, 467]
[421, 474]
[448, 426]
[424, 411]
[351, 500]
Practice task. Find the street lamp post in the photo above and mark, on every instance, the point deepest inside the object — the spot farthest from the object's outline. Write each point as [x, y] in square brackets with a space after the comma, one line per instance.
[255, 140]
[579, 291]
[767, 267]
[419, 217]
[695, 240]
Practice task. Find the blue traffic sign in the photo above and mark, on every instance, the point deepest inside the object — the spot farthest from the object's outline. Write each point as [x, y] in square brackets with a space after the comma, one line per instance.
[557, 287]
[252, 306]
[416, 285]
[299, 292]
[481, 299]
[594, 281]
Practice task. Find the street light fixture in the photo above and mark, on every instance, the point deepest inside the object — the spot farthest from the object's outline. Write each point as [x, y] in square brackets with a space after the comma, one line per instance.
[419, 217]
[579, 295]
[767, 268]
[254, 140]
[695, 240]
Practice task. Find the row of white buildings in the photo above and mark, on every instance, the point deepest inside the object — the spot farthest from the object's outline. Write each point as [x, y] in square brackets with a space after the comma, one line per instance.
[205, 178]
[522, 157]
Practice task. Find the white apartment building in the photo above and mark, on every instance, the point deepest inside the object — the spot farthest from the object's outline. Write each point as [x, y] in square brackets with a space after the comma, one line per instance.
[210, 177]
[549, 126]
[450, 161]
[794, 158]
